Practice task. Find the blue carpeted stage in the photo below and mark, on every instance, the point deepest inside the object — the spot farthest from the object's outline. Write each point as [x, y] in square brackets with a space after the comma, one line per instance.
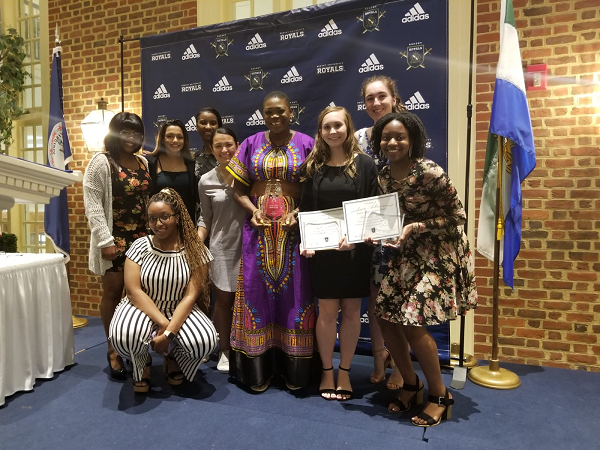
[82, 409]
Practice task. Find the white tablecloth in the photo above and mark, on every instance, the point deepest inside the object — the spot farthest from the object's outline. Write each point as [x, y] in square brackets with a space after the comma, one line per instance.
[36, 326]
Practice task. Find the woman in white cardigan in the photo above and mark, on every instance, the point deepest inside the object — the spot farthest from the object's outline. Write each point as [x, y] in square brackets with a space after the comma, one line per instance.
[115, 191]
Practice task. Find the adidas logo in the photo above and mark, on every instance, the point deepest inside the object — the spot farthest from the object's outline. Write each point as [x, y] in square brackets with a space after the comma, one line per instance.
[255, 119]
[364, 318]
[191, 124]
[415, 13]
[190, 53]
[371, 64]
[161, 92]
[292, 76]
[416, 102]
[255, 43]
[222, 85]
[331, 29]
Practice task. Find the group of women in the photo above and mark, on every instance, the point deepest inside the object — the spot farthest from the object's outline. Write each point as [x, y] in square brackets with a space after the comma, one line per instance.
[275, 301]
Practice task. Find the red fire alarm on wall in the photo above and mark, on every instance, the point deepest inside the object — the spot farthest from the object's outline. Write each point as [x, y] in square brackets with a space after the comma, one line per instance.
[537, 77]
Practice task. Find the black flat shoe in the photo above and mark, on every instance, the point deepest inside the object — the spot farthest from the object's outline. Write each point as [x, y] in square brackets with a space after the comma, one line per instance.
[117, 374]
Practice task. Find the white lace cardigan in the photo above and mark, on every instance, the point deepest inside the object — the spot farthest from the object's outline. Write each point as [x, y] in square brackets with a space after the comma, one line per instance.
[97, 198]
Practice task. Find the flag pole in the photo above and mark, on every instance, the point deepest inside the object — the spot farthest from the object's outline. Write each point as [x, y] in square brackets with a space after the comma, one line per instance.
[493, 376]
[78, 322]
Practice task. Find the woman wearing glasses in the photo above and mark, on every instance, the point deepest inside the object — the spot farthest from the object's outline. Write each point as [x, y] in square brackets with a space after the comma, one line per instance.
[172, 165]
[115, 188]
[164, 275]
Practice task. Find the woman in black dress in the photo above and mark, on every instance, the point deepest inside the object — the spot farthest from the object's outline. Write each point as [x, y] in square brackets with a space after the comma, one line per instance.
[337, 171]
[171, 164]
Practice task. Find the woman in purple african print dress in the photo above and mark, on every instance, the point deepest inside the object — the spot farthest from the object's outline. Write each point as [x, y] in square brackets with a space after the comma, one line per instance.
[274, 312]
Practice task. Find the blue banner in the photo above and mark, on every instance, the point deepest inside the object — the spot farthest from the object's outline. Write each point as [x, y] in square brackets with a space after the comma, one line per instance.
[56, 213]
[318, 55]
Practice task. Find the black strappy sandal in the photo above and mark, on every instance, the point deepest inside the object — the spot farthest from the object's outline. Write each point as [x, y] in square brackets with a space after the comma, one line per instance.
[344, 392]
[440, 401]
[417, 397]
[331, 392]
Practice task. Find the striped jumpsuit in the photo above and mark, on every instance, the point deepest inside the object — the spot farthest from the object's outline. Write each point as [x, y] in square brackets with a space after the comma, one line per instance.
[164, 278]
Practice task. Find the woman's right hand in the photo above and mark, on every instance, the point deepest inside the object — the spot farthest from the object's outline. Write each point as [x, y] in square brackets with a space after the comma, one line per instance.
[109, 253]
[258, 221]
[306, 253]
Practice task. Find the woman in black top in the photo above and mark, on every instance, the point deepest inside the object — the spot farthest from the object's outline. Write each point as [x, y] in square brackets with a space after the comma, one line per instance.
[337, 171]
[171, 164]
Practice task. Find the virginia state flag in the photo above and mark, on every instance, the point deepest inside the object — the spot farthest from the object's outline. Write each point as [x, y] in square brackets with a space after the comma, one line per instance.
[510, 119]
[56, 213]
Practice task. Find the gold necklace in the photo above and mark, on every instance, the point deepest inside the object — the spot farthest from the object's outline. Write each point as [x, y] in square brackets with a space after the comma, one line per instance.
[282, 146]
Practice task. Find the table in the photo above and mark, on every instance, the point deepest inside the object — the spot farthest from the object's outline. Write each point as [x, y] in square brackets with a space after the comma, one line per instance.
[36, 327]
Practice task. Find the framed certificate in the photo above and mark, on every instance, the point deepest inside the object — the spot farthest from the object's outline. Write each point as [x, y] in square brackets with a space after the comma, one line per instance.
[321, 230]
[373, 217]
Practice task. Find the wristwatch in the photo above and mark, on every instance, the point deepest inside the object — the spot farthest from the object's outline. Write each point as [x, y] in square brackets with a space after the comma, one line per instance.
[170, 335]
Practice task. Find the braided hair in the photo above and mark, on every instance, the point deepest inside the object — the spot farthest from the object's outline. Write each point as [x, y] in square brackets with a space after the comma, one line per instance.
[196, 254]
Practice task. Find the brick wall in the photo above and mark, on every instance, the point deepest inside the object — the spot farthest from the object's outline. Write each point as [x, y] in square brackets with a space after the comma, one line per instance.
[89, 31]
[553, 317]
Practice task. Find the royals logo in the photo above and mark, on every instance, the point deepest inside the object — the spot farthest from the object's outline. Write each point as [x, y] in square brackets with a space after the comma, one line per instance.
[295, 34]
[330, 68]
[296, 111]
[370, 19]
[415, 55]
[360, 106]
[221, 45]
[160, 56]
[191, 87]
[256, 77]
[228, 120]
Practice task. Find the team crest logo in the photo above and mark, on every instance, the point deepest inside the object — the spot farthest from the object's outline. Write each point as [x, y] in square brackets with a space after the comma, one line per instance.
[373, 229]
[370, 19]
[296, 111]
[160, 120]
[415, 56]
[221, 45]
[256, 77]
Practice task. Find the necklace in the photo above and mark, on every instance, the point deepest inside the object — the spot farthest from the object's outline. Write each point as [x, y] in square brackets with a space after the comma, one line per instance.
[277, 147]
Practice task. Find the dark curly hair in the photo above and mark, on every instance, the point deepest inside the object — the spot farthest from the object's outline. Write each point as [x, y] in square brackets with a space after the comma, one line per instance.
[415, 128]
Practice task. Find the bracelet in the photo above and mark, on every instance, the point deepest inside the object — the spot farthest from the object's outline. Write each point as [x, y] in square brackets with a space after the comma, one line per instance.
[254, 212]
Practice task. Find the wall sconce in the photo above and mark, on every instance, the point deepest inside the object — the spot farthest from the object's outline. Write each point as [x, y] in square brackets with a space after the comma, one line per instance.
[95, 126]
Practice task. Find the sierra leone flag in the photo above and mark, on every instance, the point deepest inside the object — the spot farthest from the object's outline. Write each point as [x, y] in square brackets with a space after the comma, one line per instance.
[510, 119]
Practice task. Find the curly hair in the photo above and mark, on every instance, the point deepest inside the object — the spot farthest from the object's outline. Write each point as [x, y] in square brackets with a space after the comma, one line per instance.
[321, 153]
[415, 128]
[160, 139]
[113, 142]
[390, 84]
[196, 253]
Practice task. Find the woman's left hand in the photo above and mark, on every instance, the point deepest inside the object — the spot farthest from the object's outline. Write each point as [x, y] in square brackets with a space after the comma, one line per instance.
[160, 344]
[344, 246]
[289, 221]
[406, 232]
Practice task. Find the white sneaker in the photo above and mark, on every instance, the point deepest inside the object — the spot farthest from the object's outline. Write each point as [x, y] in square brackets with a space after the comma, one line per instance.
[223, 364]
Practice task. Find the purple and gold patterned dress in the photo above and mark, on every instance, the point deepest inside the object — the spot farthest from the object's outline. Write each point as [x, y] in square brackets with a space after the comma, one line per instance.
[274, 313]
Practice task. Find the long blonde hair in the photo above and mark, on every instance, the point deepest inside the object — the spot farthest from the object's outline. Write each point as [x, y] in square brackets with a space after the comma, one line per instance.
[321, 152]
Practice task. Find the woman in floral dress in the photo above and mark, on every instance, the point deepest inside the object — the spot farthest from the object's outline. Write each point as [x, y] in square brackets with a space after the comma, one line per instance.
[430, 278]
[115, 188]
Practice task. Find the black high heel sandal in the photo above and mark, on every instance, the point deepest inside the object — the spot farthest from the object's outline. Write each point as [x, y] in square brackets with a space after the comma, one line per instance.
[117, 374]
[175, 377]
[145, 386]
[344, 392]
[440, 401]
[328, 391]
[417, 397]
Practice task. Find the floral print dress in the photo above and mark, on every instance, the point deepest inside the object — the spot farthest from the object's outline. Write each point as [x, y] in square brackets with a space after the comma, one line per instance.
[430, 279]
[130, 195]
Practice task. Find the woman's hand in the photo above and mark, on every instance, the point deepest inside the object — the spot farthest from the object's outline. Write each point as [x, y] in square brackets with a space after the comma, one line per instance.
[289, 221]
[344, 246]
[109, 253]
[370, 242]
[258, 221]
[406, 232]
[160, 344]
[306, 253]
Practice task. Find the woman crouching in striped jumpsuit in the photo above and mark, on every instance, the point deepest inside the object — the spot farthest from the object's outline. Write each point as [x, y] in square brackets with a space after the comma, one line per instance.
[164, 275]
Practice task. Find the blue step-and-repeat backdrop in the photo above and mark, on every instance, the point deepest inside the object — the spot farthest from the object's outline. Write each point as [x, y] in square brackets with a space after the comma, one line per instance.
[319, 56]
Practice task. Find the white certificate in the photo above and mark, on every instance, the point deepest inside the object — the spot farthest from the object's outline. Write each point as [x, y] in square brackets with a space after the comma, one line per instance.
[321, 230]
[373, 217]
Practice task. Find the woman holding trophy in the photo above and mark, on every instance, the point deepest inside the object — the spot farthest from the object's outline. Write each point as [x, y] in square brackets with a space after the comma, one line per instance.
[274, 312]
